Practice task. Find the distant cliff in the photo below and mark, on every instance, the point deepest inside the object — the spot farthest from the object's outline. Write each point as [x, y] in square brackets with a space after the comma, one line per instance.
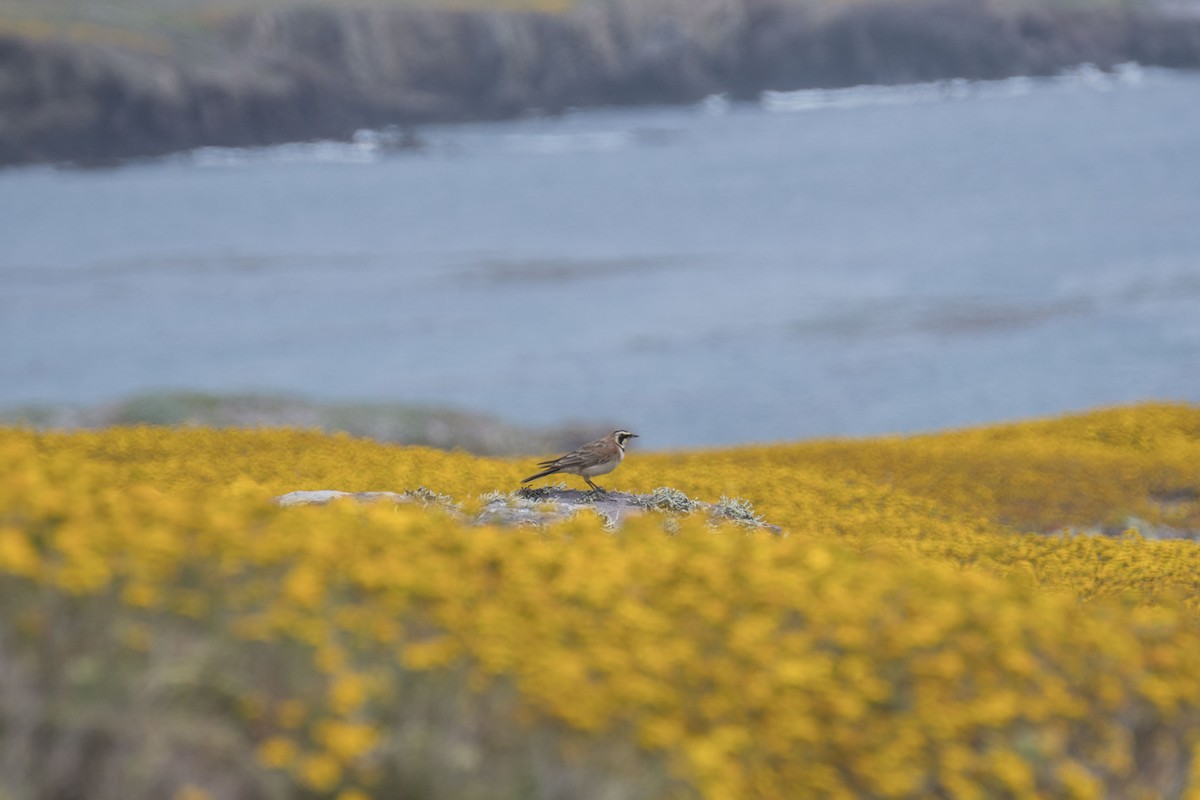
[319, 72]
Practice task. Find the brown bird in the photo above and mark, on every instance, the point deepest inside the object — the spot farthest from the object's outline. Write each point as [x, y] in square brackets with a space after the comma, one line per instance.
[594, 458]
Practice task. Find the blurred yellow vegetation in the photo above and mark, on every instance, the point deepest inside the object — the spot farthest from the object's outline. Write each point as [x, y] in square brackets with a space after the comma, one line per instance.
[929, 624]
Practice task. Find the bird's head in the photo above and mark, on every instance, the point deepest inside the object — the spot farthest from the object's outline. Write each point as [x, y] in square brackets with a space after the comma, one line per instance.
[621, 437]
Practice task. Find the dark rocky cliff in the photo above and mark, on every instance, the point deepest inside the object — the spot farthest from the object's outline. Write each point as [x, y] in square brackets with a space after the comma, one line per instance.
[319, 72]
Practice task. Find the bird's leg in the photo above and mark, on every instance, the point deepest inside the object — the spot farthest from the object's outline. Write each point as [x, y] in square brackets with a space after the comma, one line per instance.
[595, 488]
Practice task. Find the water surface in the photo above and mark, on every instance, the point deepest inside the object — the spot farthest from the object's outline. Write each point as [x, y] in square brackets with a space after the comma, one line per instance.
[820, 263]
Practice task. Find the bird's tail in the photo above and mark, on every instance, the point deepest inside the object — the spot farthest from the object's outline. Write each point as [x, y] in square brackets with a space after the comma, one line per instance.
[541, 474]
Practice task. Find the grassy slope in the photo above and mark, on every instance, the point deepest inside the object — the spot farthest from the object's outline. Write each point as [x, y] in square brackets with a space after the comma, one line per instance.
[185, 28]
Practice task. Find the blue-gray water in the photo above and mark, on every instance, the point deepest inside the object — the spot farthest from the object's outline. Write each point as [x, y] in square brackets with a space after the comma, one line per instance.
[817, 264]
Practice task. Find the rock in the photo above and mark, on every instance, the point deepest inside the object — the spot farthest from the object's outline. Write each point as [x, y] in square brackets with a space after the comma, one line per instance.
[552, 504]
[541, 506]
[323, 496]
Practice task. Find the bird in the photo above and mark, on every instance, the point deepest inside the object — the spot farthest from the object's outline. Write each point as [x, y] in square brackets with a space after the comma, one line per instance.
[594, 458]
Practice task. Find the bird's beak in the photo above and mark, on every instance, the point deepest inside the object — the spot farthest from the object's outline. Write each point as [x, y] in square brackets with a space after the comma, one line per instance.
[633, 436]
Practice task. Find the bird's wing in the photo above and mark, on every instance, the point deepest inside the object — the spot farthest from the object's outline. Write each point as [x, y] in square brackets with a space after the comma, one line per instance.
[583, 455]
[588, 454]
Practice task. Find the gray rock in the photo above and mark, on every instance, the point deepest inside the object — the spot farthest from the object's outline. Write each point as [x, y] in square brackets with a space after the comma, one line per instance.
[541, 506]
[324, 496]
[551, 504]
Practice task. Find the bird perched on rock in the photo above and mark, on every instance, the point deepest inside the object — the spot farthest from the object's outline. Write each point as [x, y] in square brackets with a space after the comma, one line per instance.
[594, 458]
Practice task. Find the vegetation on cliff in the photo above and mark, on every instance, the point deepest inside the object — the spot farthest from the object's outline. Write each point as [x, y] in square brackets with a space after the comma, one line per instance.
[168, 631]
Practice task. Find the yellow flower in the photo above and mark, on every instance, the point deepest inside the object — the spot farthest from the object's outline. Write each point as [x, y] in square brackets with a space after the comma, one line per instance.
[278, 752]
[140, 594]
[347, 741]
[348, 691]
[290, 713]
[192, 792]
[320, 772]
[17, 555]
[434, 652]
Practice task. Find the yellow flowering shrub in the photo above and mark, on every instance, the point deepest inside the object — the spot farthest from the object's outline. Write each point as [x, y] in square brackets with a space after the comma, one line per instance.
[915, 632]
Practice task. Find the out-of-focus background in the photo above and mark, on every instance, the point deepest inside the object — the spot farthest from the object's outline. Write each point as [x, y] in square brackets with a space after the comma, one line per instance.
[501, 226]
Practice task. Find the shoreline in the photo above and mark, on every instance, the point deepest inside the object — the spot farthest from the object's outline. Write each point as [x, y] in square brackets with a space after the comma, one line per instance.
[442, 427]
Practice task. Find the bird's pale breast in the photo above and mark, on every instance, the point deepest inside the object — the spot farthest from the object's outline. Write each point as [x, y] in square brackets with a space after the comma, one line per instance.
[602, 468]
